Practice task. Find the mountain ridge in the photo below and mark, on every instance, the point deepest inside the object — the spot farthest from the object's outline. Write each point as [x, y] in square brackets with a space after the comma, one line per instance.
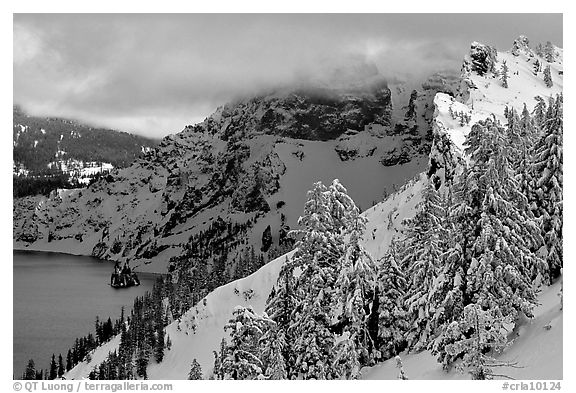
[243, 161]
[39, 142]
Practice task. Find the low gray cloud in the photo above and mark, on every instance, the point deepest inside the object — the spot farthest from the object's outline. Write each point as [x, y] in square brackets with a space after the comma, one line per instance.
[153, 74]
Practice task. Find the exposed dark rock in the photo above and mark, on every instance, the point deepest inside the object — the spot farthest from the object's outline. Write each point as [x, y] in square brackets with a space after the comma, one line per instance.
[481, 59]
[266, 239]
[396, 157]
[99, 250]
[312, 113]
[521, 45]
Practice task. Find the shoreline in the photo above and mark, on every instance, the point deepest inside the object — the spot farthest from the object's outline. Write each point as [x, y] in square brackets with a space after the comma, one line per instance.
[79, 250]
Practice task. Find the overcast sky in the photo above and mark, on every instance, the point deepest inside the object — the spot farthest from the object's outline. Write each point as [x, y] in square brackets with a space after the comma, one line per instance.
[153, 74]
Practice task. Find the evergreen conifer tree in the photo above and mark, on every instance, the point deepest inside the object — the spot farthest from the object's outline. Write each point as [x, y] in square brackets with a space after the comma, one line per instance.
[60, 366]
[547, 171]
[539, 50]
[549, 52]
[392, 322]
[421, 254]
[53, 368]
[318, 253]
[502, 260]
[242, 355]
[356, 286]
[275, 352]
[477, 336]
[30, 372]
[539, 112]
[548, 77]
[69, 363]
[536, 67]
[504, 74]
[400, 367]
[195, 371]
[278, 340]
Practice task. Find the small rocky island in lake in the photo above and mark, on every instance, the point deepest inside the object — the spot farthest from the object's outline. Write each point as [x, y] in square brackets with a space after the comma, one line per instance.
[123, 277]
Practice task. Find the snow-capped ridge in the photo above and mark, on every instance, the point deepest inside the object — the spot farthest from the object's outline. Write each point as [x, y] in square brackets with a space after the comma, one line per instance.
[482, 94]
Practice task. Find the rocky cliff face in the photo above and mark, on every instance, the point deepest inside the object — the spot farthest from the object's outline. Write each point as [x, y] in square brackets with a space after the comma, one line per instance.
[239, 179]
[310, 113]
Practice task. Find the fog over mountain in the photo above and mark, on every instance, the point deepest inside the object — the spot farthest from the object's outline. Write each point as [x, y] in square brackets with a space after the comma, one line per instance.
[153, 74]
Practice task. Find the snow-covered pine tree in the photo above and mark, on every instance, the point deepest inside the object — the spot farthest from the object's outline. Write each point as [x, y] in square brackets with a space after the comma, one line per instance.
[443, 162]
[319, 236]
[517, 143]
[549, 52]
[218, 371]
[547, 171]
[476, 234]
[318, 254]
[539, 50]
[521, 141]
[536, 67]
[539, 112]
[452, 280]
[447, 294]
[502, 261]
[195, 370]
[527, 124]
[391, 289]
[355, 287]
[504, 74]
[346, 358]
[548, 77]
[477, 337]
[279, 307]
[242, 356]
[344, 211]
[463, 118]
[273, 351]
[420, 258]
[400, 367]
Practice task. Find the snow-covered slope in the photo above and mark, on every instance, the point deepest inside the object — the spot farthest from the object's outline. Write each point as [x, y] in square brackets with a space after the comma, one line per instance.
[199, 331]
[484, 95]
[537, 349]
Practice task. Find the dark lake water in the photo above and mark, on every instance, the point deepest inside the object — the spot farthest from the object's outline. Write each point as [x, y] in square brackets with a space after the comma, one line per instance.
[57, 298]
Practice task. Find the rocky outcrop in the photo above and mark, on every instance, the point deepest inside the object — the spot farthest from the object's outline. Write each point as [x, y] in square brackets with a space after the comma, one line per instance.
[481, 59]
[396, 156]
[266, 239]
[312, 113]
[521, 45]
[354, 145]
